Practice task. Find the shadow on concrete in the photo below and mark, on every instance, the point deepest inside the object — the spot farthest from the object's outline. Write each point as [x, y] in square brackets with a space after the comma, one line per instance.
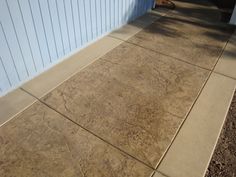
[192, 14]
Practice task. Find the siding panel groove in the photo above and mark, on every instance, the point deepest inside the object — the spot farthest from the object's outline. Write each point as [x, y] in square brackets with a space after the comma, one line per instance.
[36, 34]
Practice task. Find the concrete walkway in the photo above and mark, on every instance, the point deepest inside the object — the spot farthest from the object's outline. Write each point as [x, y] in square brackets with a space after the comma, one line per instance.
[147, 100]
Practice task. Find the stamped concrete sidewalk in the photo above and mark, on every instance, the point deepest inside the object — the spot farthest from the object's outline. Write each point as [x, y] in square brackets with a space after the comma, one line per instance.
[132, 111]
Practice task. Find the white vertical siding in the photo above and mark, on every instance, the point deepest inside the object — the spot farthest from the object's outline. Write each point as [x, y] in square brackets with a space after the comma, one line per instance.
[35, 34]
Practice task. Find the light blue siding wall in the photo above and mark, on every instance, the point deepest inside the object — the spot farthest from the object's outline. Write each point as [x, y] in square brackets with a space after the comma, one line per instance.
[36, 34]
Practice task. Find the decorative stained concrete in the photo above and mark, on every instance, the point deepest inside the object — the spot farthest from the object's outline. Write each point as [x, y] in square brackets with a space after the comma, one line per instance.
[190, 33]
[133, 98]
[119, 115]
[40, 142]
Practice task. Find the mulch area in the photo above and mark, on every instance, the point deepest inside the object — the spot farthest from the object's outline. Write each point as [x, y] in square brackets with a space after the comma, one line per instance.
[223, 162]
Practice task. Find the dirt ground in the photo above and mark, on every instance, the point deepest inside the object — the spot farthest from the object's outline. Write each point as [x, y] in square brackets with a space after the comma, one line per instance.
[223, 162]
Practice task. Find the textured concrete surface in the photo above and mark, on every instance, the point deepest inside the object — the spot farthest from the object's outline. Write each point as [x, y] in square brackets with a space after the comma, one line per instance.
[13, 103]
[131, 97]
[119, 115]
[227, 62]
[180, 35]
[192, 148]
[40, 142]
[50, 79]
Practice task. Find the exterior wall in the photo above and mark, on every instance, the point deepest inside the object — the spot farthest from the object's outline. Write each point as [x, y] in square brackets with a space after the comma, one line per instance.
[36, 34]
[233, 17]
